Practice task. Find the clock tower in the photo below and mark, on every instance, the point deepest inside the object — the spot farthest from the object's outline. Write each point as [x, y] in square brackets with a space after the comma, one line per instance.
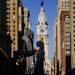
[42, 34]
[42, 29]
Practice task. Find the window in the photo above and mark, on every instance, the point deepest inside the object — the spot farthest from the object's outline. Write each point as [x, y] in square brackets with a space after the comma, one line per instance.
[73, 30]
[73, 12]
[13, 43]
[14, 26]
[8, 12]
[74, 40]
[13, 38]
[74, 49]
[73, 7]
[8, 17]
[41, 23]
[8, 8]
[62, 3]
[13, 4]
[8, 21]
[46, 23]
[67, 32]
[74, 3]
[14, 48]
[67, 49]
[74, 44]
[74, 35]
[24, 13]
[74, 26]
[13, 34]
[8, 4]
[8, 30]
[73, 21]
[38, 23]
[13, 21]
[14, 8]
[13, 30]
[13, 12]
[73, 16]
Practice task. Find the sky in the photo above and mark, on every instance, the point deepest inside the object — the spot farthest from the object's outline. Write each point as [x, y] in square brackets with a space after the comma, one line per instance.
[50, 7]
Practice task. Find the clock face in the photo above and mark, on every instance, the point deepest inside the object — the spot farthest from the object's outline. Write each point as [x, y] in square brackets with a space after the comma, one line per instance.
[42, 30]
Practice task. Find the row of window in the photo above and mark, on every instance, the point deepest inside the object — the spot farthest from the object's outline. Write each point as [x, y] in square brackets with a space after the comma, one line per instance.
[67, 28]
[67, 46]
[73, 25]
[73, 3]
[68, 49]
[8, 26]
[9, 21]
[65, 3]
[14, 41]
[74, 9]
[9, 30]
[43, 23]
[67, 23]
[14, 44]
[67, 41]
[73, 12]
[74, 40]
[9, 8]
[8, 4]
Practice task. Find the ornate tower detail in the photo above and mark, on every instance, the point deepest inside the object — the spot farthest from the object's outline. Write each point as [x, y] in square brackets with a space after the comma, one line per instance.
[42, 29]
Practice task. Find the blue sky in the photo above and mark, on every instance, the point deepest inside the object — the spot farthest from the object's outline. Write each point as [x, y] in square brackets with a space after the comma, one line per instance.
[50, 7]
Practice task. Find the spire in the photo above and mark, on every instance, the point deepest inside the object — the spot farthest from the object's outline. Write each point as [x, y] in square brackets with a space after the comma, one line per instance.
[42, 3]
[42, 20]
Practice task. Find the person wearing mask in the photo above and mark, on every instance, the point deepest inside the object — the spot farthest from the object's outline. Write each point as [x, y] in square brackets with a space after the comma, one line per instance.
[26, 60]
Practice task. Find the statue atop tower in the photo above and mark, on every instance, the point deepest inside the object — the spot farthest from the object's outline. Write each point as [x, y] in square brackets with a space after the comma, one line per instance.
[42, 3]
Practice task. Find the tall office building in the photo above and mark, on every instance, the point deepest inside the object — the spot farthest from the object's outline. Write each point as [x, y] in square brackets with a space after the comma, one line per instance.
[56, 67]
[3, 36]
[65, 42]
[26, 15]
[63, 5]
[10, 18]
[20, 11]
[12, 22]
[72, 21]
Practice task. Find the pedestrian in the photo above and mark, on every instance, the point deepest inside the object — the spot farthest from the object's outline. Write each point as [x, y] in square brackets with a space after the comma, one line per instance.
[39, 66]
[26, 59]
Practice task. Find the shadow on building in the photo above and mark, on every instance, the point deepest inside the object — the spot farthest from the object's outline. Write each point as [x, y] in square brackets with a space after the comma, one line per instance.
[5, 55]
[39, 70]
[71, 72]
[68, 65]
[58, 70]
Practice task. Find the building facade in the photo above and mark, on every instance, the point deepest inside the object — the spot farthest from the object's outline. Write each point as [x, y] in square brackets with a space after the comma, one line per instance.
[63, 5]
[56, 60]
[65, 42]
[20, 12]
[26, 15]
[12, 23]
[10, 18]
[72, 21]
